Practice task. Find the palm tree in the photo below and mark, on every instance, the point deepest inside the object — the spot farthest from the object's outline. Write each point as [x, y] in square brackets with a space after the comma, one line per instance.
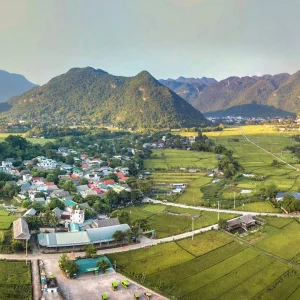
[102, 264]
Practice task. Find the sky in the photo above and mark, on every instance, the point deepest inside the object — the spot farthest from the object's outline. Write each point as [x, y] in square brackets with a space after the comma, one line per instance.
[41, 39]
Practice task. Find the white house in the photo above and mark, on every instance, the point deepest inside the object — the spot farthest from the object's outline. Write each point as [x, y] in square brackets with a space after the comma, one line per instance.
[77, 216]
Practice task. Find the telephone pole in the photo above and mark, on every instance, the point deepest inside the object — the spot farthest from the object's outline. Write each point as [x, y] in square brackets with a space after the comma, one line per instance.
[218, 210]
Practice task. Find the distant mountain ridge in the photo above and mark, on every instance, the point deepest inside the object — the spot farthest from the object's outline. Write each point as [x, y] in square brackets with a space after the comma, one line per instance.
[281, 91]
[95, 96]
[13, 85]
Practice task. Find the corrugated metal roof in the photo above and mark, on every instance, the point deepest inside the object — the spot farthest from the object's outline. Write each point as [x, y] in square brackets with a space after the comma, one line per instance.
[105, 234]
[62, 239]
[89, 264]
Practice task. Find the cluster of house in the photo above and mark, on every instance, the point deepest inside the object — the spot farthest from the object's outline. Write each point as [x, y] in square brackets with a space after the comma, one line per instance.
[90, 169]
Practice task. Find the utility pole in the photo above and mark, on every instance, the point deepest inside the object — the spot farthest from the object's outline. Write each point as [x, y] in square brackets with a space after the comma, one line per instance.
[234, 200]
[218, 210]
[192, 228]
[26, 250]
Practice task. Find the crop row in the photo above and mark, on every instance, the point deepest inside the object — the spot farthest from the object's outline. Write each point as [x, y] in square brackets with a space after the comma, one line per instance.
[209, 275]
[181, 271]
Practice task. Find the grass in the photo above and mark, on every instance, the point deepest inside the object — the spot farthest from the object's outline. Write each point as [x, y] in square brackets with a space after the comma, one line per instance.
[32, 140]
[265, 206]
[201, 191]
[6, 220]
[282, 242]
[175, 159]
[151, 260]
[217, 267]
[168, 221]
[15, 280]
[203, 244]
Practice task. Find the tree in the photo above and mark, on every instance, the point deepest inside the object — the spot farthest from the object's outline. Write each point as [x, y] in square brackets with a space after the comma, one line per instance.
[103, 265]
[17, 141]
[275, 163]
[222, 223]
[2, 237]
[11, 189]
[51, 177]
[83, 181]
[69, 186]
[119, 236]
[34, 222]
[55, 202]
[123, 216]
[37, 206]
[271, 191]
[112, 176]
[69, 267]
[49, 218]
[17, 246]
[88, 213]
[90, 250]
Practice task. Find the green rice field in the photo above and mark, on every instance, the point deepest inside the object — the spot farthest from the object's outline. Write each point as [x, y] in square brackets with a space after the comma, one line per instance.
[168, 221]
[216, 266]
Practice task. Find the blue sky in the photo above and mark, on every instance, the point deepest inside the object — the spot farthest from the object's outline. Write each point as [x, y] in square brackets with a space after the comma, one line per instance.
[169, 38]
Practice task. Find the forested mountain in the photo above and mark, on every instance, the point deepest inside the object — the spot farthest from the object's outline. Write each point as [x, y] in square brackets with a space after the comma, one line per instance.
[281, 91]
[188, 88]
[12, 85]
[4, 107]
[94, 96]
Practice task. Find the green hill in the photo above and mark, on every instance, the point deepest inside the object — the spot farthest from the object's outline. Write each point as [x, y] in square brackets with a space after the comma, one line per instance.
[96, 97]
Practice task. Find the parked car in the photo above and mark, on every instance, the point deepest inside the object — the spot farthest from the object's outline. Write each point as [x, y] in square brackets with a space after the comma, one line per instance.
[125, 283]
[114, 286]
[104, 296]
[147, 295]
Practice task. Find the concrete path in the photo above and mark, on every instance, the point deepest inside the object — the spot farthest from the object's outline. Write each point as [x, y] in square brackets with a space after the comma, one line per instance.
[268, 151]
[226, 211]
[36, 281]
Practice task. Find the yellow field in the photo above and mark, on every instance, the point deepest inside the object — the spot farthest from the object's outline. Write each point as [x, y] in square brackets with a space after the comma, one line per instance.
[247, 129]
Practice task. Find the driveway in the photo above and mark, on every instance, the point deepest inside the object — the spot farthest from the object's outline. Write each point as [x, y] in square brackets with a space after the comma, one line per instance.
[90, 287]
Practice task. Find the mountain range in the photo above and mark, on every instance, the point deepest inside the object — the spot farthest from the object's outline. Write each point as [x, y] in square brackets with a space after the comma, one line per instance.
[97, 97]
[271, 92]
[12, 85]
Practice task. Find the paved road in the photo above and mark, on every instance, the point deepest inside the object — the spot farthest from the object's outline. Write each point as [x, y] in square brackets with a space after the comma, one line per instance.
[145, 243]
[268, 151]
[36, 280]
[222, 210]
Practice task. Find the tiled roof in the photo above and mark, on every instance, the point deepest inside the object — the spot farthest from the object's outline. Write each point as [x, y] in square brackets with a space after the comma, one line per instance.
[21, 230]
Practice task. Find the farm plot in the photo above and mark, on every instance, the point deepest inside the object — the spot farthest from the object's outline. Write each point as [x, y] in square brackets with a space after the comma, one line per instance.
[165, 182]
[265, 206]
[5, 220]
[282, 242]
[15, 280]
[168, 221]
[221, 269]
[176, 159]
[149, 260]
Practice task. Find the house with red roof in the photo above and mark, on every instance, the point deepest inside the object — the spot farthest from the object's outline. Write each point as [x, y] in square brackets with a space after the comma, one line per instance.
[121, 176]
[108, 181]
